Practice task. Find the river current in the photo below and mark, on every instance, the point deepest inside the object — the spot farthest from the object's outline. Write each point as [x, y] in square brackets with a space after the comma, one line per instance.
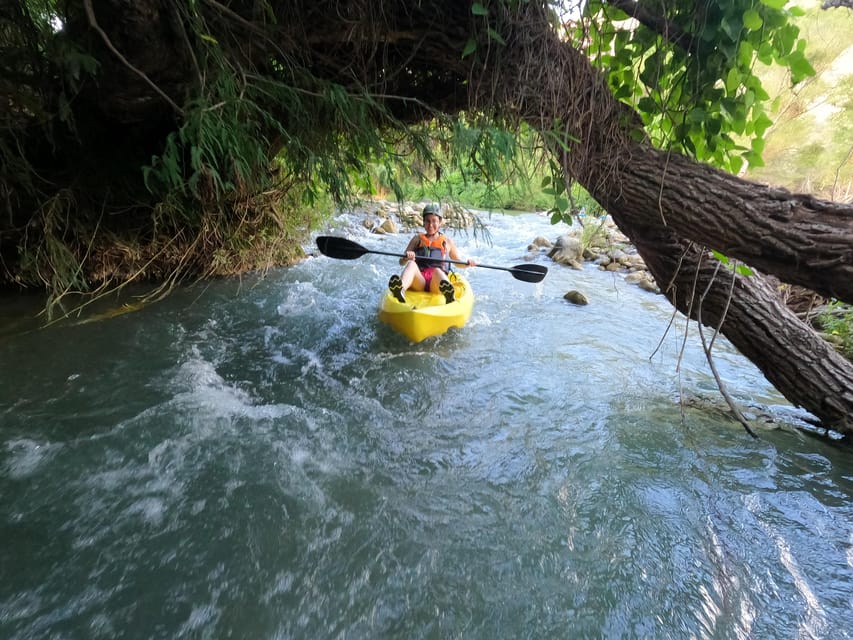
[261, 458]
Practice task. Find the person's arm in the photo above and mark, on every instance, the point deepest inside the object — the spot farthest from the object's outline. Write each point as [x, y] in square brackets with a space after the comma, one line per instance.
[455, 255]
[413, 244]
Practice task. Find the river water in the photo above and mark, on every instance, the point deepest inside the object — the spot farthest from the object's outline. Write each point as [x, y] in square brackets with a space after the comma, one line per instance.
[260, 458]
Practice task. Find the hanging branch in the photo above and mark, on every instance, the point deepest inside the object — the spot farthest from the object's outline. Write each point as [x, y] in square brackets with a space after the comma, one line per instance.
[706, 347]
[90, 13]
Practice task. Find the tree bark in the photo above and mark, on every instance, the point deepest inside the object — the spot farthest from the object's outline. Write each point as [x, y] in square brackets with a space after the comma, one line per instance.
[672, 208]
[796, 237]
[808, 371]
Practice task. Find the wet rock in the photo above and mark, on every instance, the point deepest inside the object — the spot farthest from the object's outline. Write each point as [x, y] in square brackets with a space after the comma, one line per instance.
[576, 297]
[567, 250]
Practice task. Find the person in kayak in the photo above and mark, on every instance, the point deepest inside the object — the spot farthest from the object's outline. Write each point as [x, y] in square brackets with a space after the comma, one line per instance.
[420, 274]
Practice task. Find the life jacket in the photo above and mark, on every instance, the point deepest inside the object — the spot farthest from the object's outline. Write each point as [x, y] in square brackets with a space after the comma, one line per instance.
[432, 248]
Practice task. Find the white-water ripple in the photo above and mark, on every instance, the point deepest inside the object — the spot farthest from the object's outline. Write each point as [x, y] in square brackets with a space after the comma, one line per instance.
[262, 458]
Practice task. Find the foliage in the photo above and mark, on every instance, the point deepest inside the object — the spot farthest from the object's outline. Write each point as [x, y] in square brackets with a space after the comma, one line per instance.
[697, 89]
[593, 230]
[257, 122]
[837, 320]
[231, 187]
[474, 162]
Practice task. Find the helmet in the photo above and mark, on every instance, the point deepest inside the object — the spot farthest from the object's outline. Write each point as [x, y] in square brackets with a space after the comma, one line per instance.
[434, 209]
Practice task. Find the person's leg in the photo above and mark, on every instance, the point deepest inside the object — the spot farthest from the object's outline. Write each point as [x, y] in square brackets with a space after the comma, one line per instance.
[437, 277]
[412, 278]
[441, 284]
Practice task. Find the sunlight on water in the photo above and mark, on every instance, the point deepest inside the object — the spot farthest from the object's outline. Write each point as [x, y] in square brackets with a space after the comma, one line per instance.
[262, 458]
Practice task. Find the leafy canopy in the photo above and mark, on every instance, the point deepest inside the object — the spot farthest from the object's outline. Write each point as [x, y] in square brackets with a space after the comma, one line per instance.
[689, 69]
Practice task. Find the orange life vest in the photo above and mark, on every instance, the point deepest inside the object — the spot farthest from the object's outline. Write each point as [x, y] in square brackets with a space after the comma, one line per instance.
[433, 248]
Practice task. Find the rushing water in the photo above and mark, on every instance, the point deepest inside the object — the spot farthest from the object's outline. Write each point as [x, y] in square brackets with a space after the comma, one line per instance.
[260, 458]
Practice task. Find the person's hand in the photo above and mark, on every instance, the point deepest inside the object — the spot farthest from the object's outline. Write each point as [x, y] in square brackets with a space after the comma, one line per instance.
[410, 255]
[471, 262]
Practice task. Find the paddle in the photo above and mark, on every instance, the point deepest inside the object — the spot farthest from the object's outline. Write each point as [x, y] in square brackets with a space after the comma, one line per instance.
[344, 249]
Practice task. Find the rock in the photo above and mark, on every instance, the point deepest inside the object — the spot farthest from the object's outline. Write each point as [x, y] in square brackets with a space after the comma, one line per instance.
[635, 261]
[576, 297]
[567, 250]
[649, 285]
[542, 242]
[388, 226]
[644, 280]
[618, 255]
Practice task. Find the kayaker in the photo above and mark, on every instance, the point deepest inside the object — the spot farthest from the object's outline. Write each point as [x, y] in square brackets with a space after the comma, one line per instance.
[428, 275]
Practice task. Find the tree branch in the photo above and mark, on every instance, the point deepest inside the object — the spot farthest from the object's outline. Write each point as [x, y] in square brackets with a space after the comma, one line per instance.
[656, 23]
[90, 14]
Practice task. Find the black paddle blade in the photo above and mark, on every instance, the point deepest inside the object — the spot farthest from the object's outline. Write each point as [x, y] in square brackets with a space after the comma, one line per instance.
[340, 248]
[529, 272]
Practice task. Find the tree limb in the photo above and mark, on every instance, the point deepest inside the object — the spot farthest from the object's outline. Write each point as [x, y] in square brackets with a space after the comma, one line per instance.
[668, 31]
[90, 14]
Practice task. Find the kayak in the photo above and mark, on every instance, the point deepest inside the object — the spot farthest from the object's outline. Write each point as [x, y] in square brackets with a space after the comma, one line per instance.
[426, 314]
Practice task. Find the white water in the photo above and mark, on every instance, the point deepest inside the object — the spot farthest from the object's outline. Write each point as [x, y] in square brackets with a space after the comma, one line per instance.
[262, 458]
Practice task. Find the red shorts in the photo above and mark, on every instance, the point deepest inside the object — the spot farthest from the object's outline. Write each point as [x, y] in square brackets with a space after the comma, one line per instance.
[427, 274]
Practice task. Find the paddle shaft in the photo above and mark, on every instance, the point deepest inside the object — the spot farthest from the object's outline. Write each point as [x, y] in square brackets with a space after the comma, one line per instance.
[348, 250]
[436, 260]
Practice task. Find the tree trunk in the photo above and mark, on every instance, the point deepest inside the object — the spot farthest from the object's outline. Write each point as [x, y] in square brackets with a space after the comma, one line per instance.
[672, 208]
[807, 370]
[796, 237]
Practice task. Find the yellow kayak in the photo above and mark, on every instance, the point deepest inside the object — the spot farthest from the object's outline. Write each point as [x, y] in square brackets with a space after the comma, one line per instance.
[426, 314]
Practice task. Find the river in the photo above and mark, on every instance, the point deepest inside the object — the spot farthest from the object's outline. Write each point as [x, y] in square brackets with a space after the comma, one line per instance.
[260, 458]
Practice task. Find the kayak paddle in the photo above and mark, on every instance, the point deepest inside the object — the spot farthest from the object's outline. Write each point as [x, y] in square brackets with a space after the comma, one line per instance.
[344, 249]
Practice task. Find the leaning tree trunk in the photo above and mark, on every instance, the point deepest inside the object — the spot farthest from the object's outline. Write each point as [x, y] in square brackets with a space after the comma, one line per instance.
[673, 208]
[749, 312]
[796, 237]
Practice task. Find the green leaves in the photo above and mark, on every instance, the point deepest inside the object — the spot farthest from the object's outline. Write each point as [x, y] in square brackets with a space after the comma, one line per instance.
[752, 20]
[739, 268]
[494, 35]
[479, 10]
[698, 95]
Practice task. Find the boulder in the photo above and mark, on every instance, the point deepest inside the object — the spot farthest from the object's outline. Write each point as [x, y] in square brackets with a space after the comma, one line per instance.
[567, 250]
[576, 297]
[644, 280]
